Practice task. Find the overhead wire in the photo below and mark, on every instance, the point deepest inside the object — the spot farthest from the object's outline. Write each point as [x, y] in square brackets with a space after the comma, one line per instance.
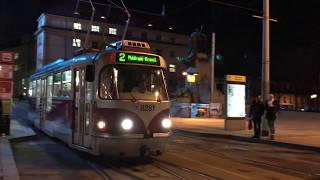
[90, 24]
[212, 1]
[234, 5]
[175, 12]
[128, 20]
[113, 5]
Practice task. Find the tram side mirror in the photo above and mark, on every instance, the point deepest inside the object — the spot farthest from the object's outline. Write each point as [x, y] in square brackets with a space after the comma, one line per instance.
[90, 73]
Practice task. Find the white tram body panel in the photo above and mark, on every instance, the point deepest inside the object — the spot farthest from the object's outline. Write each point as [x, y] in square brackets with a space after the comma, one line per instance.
[113, 102]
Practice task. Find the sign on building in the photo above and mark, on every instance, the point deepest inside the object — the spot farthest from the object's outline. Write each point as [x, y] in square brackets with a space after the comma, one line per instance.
[6, 79]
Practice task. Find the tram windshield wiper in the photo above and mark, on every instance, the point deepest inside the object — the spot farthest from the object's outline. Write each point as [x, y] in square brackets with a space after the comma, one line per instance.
[134, 99]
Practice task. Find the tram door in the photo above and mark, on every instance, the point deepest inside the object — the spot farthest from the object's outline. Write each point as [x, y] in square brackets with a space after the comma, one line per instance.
[43, 101]
[82, 109]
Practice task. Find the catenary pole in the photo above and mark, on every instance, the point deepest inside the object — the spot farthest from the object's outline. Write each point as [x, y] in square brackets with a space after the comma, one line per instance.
[213, 47]
[265, 73]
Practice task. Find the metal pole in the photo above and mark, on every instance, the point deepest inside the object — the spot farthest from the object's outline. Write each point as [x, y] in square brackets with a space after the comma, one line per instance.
[212, 65]
[265, 76]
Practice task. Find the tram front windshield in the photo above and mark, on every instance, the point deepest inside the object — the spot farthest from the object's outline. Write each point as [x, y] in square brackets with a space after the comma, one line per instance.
[132, 82]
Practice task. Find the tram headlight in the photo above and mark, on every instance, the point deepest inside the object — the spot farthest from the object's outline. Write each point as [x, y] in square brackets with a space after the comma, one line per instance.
[101, 124]
[166, 123]
[127, 124]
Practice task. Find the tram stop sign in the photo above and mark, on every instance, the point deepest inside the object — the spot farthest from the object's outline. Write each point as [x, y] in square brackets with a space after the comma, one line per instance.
[235, 88]
[6, 79]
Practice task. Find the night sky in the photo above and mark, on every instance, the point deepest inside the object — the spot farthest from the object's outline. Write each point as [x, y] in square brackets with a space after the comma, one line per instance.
[295, 39]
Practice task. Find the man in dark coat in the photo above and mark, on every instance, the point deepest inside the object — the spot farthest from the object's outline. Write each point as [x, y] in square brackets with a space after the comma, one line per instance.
[256, 111]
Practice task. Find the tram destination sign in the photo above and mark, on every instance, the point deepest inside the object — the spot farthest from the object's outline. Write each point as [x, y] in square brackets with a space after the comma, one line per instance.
[124, 57]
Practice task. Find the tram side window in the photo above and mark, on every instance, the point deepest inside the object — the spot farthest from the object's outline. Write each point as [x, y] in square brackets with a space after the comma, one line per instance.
[66, 84]
[38, 93]
[56, 85]
[32, 88]
[49, 93]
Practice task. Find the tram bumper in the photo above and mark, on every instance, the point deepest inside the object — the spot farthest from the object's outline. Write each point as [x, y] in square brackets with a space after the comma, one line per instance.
[132, 145]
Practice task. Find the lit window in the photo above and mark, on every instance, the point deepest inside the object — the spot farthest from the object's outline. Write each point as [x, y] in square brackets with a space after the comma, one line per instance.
[76, 42]
[77, 26]
[95, 28]
[113, 31]
[172, 68]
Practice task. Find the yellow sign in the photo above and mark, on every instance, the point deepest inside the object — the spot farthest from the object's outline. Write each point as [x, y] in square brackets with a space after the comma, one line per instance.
[6, 106]
[191, 78]
[236, 78]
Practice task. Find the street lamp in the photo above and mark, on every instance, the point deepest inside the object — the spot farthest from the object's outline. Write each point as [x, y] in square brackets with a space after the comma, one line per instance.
[190, 76]
[261, 17]
[313, 96]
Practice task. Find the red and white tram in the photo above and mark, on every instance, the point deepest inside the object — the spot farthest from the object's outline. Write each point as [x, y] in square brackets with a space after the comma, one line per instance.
[113, 102]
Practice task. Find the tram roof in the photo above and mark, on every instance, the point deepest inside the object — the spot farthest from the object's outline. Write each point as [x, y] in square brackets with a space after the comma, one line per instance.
[124, 45]
[62, 63]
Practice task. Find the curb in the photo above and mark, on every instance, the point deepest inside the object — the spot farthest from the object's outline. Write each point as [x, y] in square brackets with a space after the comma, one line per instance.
[23, 138]
[7, 162]
[247, 139]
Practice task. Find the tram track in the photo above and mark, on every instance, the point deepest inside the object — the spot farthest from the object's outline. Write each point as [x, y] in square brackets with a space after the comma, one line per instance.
[164, 165]
[257, 163]
[264, 164]
[171, 170]
[102, 170]
[99, 171]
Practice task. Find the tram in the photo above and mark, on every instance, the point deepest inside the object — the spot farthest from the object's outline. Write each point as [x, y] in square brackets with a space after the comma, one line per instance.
[112, 102]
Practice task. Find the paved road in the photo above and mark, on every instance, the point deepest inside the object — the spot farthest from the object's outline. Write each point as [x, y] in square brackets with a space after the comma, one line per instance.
[186, 157]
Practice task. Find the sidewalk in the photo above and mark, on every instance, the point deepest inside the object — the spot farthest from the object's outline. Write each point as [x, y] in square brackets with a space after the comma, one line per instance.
[18, 131]
[294, 129]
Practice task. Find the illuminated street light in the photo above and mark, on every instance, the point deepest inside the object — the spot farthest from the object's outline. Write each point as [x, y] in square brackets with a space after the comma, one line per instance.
[261, 17]
[313, 96]
[149, 25]
[170, 28]
[103, 17]
[191, 78]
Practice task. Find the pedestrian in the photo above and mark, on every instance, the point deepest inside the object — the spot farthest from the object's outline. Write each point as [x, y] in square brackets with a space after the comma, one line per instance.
[256, 111]
[272, 107]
